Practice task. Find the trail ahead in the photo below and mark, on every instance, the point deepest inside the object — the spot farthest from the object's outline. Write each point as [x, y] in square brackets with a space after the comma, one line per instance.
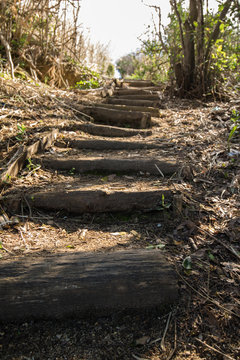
[112, 199]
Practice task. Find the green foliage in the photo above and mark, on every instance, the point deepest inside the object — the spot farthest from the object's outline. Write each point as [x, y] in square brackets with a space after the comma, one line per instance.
[110, 70]
[89, 79]
[215, 57]
[72, 171]
[31, 166]
[126, 65]
[236, 126]
[87, 84]
[21, 132]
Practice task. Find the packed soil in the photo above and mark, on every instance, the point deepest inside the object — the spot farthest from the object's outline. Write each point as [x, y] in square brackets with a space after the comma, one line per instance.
[197, 229]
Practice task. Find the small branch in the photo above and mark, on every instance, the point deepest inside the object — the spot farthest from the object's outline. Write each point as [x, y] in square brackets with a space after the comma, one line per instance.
[160, 172]
[175, 343]
[228, 247]
[163, 347]
[174, 5]
[8, 52]
[138, 358]
[206, 297]
[213, 349]
[70, 107]
[215, 32]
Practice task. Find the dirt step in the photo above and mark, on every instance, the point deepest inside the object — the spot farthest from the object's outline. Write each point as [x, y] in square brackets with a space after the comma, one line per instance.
[133, 102]
[108, 144]
[153, 111]
[151, 166]
[110, 131]
[149, 97]
[96, 201]
[134, 119]
[137, 83]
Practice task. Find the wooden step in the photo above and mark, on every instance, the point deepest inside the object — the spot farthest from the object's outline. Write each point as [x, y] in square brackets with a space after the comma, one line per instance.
[149, 97]
[138, 83]
[107, 144]
[134, 119]
[150, 166]
[110, 131]
[80, 201]
[132, 91]
[81, 284]
[133, 102]
[153, 111]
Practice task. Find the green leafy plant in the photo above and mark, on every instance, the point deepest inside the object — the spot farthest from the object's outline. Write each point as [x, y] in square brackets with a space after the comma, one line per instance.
[21, 132]
[157, 246]
[236, 126]
[187, 265]
[88, 84]
[31, 166]
[72, 171]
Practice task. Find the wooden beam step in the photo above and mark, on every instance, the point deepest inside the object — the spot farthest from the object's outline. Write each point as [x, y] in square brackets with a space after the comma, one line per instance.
[111, 131]
[80, 201]
[138, 83]
[107, 144]
[82, 284]
[153, 111]
[134, 119]
[151, 166]
[132, 91]
[132, 102]
[150, 97]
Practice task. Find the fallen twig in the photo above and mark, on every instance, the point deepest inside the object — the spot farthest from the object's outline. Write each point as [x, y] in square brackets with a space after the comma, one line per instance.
[162, 338]
[228, 247]
[160, 172]
[175, 343]
[206, 297]
[217, 351]
[163, 347]
[74, 109]
[138, 358]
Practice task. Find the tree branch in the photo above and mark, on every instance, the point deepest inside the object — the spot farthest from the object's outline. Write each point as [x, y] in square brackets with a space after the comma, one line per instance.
[174, 6]
[216, 30]
[8, 53]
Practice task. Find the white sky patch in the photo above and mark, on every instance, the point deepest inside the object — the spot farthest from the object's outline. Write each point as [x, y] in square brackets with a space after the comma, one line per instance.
[120, 22]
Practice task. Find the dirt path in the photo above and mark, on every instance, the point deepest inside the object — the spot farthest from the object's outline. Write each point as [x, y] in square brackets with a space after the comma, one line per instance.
[181, 157]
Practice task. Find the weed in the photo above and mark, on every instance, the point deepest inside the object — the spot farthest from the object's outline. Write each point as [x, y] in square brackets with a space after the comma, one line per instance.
[72, 171]
[235, 118]
[32, 167]
[21, 132]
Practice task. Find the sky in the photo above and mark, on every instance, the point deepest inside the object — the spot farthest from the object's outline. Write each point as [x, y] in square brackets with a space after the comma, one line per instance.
[120, 22]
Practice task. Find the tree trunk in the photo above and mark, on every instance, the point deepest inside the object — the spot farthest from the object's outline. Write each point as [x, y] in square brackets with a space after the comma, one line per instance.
[84, 284]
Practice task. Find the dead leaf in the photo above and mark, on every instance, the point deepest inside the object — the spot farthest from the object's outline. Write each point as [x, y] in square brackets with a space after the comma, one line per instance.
[143, 340]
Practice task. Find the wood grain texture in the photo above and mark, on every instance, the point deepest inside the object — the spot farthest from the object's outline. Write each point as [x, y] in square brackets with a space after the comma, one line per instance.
[151, 166]
[96, 201]
[80, 284]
